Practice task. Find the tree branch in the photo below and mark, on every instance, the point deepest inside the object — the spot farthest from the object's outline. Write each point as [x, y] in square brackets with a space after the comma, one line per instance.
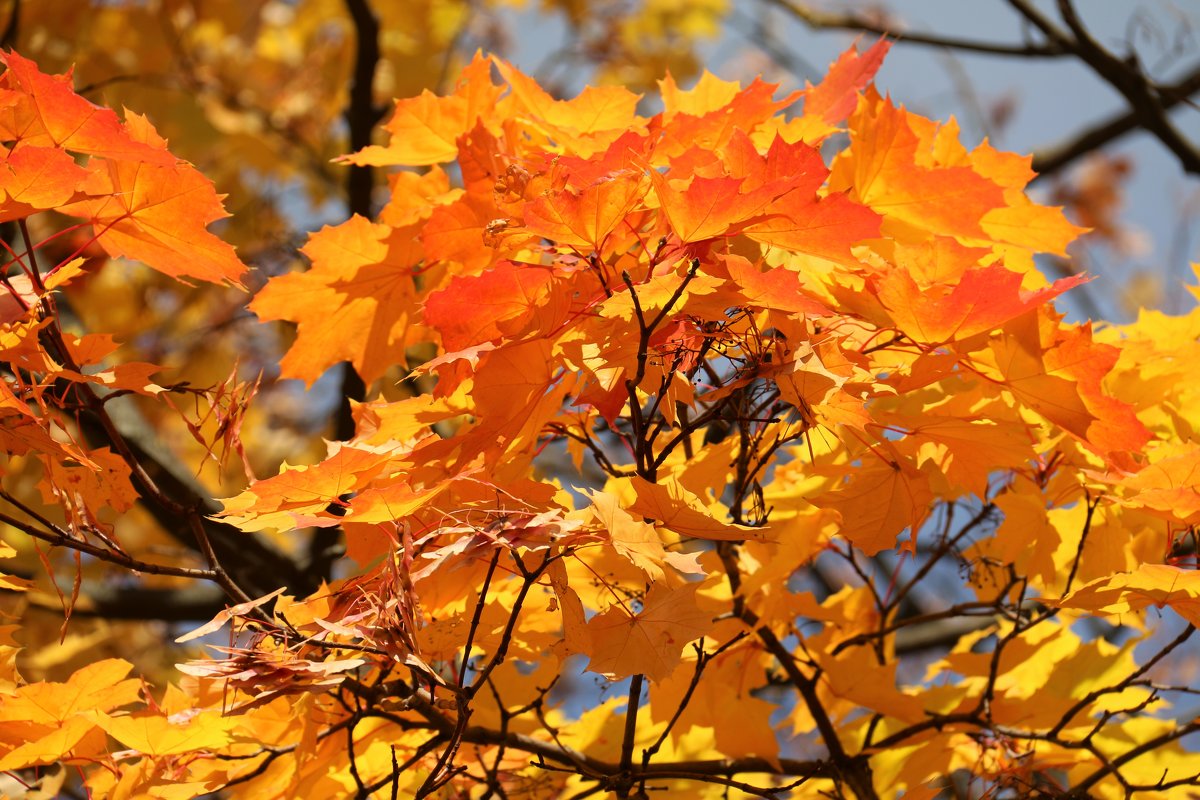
[198, 601]
[1054, 158]
[252, 563]
[830, 20]
[1126, 76]
[60, 538]
[1148, 102]
[1123, 75]
[362, 114]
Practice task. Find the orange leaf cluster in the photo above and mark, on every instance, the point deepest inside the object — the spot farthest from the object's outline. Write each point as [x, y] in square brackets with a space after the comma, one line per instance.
[699, 389]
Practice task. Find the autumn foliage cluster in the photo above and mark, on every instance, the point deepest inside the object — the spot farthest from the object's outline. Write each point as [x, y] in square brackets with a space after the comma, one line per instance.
[707, 416]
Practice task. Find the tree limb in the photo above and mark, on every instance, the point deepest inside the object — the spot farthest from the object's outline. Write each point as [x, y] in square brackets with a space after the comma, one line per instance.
[251, 562]
[1126, 76]
[193, 603]
[830, 20]
[1054, 158]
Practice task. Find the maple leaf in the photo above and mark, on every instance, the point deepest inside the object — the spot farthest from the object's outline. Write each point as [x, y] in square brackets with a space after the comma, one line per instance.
[100, 686]
[158, 214]
[968, 452]
[1026, 521]
[37, 178]
[43, 110]
[155, 736]
[732, 680]
[517, 389]
[1021, 222]
[709, 207]
[481, 308]
[302, 495]
[1058, 373]
[882, 497]
[636, 540]
[1168, 485]
[836, 95]
[585, 217]
[456, 230]
[826, 227]
[142, 202]
[677, 509]
[47, 745]
[982, 299]
[712, 112]
[709, 94]
[1155, 585]
[83, 489]
[425, 129]
[585, 124]
[796, 217]
[870, 686]
[650, 641]
[890, 169]
[938, 260]
[778, 289]
[358, 268]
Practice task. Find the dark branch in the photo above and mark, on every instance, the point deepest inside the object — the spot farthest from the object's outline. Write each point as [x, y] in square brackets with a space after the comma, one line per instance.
[251, 562]
[1126, 76]
[830, 20]
[1056, 157]
[12, 30]
[362, 114]
[193, 603]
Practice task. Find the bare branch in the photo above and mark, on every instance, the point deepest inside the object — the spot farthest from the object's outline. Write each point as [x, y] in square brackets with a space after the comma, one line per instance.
[831, 20]
[1126, 76]
[60, 538]
[1054, 158]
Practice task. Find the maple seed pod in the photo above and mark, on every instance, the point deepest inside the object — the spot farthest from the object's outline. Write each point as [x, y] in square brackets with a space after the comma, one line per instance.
[494, 229]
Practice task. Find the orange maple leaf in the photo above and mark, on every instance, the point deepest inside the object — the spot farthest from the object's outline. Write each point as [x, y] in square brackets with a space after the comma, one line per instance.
[650, 641]
[1058, 372]
[359, 268]
[835, 96]
[713, 112]
[892, 170]
[882, 497]
[679, 510]
[710, 207]
[44, 110]
[981, 300]
[37, 178]
[425, 129]
[475, 309]
[584, 218]
[301, 496]
[158, 214]
[1155, 585]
